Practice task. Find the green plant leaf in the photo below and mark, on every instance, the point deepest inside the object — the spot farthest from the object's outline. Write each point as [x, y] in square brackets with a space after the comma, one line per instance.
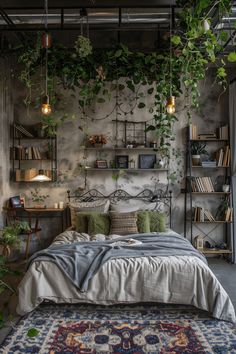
[150, 90]
[176, 40]
[32, 332]
[141, 105]
[232, 57]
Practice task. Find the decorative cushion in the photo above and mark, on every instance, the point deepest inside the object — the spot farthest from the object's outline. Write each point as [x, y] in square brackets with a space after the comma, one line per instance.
[157, 221]
[123, 223]
[81, 224]
[143, 223]
[101, 206]
[98, 223]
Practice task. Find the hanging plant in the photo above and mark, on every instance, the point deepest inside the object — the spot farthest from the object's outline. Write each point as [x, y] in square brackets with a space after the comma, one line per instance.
[83, 46]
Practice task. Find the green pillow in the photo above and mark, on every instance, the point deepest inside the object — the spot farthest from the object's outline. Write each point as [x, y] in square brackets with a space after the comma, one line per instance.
[82, 222]
[143, 222]
[98, 223]
[157, 221]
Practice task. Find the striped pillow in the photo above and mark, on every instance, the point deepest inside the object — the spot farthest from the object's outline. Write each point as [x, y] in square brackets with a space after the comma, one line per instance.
[123, 223]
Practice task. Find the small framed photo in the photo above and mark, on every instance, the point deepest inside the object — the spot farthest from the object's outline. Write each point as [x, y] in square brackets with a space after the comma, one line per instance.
[122, 161]
[16, 202]
[199, 242]
[101, 164]
[147, 161]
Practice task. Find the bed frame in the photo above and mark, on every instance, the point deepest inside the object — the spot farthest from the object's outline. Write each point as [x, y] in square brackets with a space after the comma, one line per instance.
[158, 196]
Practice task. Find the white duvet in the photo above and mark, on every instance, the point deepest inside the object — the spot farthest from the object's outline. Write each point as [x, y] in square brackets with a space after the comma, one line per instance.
[177, 280]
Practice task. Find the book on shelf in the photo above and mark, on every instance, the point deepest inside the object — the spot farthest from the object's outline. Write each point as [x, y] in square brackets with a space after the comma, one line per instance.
[223, 156]
[20, 130]
[207, 136]
[224, 132]
[210, 163]
[201, 214]
[25, 153]
[229, 214]
[193, 132]
[202, 185]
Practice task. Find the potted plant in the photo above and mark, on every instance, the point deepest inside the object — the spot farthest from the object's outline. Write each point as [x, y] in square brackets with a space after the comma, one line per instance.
[38, 198]
[197, 149]
[9, 236]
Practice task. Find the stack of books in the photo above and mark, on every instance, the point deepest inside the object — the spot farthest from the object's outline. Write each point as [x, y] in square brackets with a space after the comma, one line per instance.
[201, 214]
[202, 185]
[209, 163]
[207, 136]
[224, 132]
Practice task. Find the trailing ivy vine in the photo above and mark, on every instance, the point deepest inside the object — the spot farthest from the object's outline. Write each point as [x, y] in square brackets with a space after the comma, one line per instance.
[87, 71]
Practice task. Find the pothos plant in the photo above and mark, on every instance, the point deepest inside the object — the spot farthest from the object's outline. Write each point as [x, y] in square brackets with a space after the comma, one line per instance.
[179, 71]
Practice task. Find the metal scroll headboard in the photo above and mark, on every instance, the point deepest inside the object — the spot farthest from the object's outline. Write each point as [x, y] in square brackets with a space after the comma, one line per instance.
[159, 197]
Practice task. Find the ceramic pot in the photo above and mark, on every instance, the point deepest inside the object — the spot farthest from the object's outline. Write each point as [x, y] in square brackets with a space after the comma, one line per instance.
[196, 159]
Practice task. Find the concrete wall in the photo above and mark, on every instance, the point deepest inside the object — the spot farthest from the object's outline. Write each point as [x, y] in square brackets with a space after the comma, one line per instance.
[70, 138]
[6, 117]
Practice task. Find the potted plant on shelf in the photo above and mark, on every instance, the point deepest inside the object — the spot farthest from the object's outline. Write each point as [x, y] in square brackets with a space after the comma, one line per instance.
[38, 198]
[98, 140]
[197, 149]
[9, 236]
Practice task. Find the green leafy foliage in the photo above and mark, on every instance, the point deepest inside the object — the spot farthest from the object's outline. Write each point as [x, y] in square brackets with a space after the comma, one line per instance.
[32, 332]
[232, 57]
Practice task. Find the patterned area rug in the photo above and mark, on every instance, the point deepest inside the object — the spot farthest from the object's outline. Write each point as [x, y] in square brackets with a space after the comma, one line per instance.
[135, 329]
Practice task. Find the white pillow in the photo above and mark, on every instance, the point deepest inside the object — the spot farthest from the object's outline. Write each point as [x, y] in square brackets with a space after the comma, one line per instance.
[125, 206]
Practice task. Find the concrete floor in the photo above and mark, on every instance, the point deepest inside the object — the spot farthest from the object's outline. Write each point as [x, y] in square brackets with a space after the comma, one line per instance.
[225, 272]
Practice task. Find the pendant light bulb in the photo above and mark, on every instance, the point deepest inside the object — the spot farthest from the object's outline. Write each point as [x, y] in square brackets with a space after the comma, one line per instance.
[170, 105]
[46, 107]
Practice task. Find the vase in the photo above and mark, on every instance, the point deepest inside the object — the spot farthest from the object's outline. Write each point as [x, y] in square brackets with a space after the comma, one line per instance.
[98, 145]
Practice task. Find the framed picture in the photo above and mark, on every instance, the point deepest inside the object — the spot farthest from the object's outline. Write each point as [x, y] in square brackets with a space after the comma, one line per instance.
[16, 202]
[122, 161]
[147, 161]
[101, 163]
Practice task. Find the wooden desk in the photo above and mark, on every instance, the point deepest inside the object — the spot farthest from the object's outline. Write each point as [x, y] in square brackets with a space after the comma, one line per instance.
[44, 213]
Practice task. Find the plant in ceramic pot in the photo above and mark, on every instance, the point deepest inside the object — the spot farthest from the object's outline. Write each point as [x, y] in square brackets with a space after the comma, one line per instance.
[38, 198]
[197, 149]
[9, 236]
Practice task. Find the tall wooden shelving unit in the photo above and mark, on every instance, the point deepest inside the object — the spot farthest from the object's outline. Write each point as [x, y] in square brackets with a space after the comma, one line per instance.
[192, 228]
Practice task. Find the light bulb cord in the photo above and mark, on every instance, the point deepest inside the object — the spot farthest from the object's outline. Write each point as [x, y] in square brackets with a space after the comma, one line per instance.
[170, 51]
[46, 49]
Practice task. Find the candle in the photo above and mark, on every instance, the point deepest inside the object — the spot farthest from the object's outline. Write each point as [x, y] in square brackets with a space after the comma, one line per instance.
[61, 205]
[55, 205]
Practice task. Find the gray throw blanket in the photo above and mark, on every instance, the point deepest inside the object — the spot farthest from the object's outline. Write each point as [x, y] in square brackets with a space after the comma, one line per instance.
[80, 261]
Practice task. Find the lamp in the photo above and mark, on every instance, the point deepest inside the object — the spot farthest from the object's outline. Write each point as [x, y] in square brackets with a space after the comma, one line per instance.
[41, 177]
[46, 42]
[170, 104]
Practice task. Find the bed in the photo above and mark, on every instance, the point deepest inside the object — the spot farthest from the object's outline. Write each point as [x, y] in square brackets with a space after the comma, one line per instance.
[175, 277]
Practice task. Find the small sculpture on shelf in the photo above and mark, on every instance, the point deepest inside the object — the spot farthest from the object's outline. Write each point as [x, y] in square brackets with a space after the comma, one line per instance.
[98, 140]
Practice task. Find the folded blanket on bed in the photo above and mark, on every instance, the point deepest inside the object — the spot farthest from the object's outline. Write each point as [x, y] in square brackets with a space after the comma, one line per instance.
[81, 261]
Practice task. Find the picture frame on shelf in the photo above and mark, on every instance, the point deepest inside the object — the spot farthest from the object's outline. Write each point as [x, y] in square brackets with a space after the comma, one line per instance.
[101, 164]
[122, 161]
[147, 161]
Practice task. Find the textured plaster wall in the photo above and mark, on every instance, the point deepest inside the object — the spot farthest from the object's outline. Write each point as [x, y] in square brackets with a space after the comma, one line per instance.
[70, 154]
